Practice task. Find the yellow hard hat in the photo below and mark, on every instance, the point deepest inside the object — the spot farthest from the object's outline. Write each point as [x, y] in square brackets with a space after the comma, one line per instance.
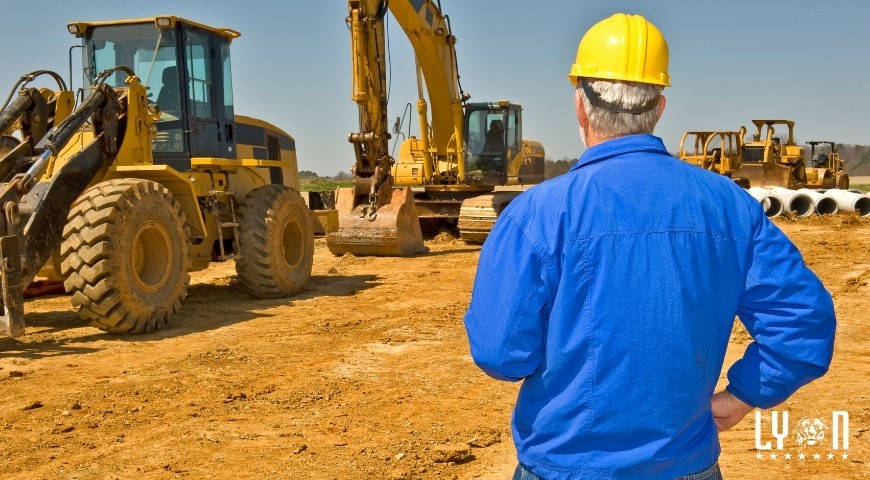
[622, 47]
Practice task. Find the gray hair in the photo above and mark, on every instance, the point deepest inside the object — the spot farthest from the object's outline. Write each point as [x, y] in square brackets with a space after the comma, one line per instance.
[607, 124]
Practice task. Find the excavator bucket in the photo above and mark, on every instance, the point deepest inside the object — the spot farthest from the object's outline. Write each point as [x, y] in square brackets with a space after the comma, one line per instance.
[395, 230]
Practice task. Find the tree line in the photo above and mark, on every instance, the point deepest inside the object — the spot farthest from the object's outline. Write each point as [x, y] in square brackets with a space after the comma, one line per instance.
[857, 158]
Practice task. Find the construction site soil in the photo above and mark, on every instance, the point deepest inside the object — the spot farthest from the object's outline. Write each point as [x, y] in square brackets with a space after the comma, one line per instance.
[366, 374]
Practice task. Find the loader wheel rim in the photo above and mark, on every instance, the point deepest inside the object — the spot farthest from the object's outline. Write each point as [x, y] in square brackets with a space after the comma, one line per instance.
[151, 256]
[291, 243]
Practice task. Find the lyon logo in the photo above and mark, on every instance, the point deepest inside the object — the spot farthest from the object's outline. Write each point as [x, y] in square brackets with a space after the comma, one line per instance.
[810, 432]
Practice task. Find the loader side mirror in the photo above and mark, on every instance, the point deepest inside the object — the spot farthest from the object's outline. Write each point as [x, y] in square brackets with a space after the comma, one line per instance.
[397, 126]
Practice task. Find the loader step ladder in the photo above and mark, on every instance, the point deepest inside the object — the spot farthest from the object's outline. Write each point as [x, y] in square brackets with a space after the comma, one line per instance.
[221, 217]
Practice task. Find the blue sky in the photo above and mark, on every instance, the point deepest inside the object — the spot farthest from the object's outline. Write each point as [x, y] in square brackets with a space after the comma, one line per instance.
[732, 61]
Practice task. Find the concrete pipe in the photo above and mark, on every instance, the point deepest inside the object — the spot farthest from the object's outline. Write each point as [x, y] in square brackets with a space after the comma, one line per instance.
[771, 204]
[850, 201]
[824, 205]
[798, 203]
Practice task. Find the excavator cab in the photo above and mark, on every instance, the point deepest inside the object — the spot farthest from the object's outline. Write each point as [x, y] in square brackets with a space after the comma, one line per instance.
[185, 67]
[494, 137]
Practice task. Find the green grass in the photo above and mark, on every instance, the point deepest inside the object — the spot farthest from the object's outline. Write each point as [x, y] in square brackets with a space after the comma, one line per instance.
[864, 188]
[321, 184]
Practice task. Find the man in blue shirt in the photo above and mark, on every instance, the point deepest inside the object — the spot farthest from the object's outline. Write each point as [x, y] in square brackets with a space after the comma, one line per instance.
[611, 291]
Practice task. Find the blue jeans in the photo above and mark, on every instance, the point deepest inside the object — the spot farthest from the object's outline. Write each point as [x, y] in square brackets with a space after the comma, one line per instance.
[710, 473]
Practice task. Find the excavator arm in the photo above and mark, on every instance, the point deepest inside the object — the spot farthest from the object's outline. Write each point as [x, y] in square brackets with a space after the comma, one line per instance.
[375, 218]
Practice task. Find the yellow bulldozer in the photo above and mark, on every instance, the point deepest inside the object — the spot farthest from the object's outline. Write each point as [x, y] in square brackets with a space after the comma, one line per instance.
[768, 161]
[464, 151]
[718, 151]
[827, 169]
[151, 176]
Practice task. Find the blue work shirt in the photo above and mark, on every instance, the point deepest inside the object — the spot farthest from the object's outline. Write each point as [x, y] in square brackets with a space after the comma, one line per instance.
[612, 290]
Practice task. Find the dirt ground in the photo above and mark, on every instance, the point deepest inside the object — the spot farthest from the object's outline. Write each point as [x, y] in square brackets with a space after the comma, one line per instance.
[365, 375]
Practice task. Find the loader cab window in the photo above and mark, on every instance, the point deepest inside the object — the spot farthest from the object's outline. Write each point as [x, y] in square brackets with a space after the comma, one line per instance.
[199, 75]
[152, 54]
[228, 82]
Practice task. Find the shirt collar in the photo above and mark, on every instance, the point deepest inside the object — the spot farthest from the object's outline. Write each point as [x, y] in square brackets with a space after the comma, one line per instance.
[619, 146]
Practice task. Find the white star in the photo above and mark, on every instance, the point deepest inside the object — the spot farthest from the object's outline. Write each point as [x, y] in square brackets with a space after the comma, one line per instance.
[830, 456]
[788, 456]
[759, 456]
[845, 455]
[816, 456]
[802, 456]
[773, 456]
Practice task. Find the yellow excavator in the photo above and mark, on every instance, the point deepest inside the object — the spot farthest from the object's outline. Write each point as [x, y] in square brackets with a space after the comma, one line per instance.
[151, 176]
[464, 151]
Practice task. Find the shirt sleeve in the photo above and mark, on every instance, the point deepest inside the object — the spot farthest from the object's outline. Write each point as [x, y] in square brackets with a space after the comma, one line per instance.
[790, 317]
[509, 304]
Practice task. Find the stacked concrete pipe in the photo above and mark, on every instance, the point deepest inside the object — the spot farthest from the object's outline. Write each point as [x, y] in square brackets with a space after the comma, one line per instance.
[850, 201]
[800, 204]
[771, 204]
[823, 205]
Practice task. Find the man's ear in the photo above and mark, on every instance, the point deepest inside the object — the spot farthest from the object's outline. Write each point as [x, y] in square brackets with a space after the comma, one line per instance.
[662, 102]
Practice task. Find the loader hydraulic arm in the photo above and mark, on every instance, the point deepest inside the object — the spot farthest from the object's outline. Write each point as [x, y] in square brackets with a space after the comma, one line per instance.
[32, 112]
[24, 250]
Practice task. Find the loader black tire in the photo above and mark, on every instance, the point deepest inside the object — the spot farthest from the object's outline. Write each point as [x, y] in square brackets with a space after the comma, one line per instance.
[276, 242]
[125, 253]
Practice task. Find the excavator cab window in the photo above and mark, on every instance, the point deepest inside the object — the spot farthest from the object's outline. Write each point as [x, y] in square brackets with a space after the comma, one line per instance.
[492, 137]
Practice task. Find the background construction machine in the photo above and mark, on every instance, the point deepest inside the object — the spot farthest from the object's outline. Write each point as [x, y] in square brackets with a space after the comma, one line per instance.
[463, 153]
[827, 169]
[721, 152]
[770, 162]
[152, 176]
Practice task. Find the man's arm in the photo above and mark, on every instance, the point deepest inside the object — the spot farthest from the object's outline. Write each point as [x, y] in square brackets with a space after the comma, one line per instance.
[505, 320]
[728, 410]
[790, 317]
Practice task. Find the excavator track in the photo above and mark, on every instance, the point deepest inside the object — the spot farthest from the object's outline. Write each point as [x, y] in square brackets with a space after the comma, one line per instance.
[478, 214]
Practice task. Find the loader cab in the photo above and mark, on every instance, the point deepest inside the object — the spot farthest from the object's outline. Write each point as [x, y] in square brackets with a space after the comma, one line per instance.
[186, 69]
[493, 134]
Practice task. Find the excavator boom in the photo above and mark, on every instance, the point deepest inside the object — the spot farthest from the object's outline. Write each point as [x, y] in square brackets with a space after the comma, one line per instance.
[374, 218]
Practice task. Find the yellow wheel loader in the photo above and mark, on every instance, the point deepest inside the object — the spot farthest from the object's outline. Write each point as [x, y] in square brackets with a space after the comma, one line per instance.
[827, 170]
[463, 153]
[152, 176]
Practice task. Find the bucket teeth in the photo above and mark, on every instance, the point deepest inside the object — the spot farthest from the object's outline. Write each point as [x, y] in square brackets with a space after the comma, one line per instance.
[394, 232]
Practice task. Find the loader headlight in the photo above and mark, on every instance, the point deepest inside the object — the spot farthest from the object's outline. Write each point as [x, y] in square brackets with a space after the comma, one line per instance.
[73, 28]
[163, 22]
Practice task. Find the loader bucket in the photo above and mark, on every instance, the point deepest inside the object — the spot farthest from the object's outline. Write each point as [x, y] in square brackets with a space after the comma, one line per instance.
[394, 232]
